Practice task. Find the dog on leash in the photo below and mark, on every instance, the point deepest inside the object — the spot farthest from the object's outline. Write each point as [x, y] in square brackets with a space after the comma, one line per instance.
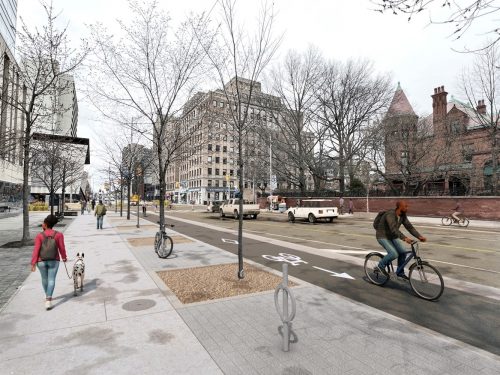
[78, 273]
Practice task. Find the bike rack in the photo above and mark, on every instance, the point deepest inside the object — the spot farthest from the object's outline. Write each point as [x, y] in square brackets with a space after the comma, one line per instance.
[285, 330]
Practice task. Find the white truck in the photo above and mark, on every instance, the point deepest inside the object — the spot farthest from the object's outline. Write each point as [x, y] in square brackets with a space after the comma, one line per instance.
[313, 210]
[231, 207]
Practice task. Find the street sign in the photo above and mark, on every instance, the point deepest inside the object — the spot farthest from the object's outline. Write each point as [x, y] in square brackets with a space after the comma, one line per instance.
[274, 182]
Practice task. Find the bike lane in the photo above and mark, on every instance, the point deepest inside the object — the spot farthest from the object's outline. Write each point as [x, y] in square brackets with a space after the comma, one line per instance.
[467, 317]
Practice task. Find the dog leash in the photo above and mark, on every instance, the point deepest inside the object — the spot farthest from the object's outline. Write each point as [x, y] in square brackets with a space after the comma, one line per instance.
[67, 273]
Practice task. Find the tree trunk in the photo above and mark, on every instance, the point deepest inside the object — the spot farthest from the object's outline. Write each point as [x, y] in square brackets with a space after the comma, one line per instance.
[241, 273]
[26, 191]
[341, 175]
[129, 186]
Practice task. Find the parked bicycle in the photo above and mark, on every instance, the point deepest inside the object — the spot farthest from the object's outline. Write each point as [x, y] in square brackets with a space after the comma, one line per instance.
[163, 242]
[462, 222]
[425, 280]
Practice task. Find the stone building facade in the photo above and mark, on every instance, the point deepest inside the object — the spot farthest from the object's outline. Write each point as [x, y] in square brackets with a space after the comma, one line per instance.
[208, 169]
[448, 152]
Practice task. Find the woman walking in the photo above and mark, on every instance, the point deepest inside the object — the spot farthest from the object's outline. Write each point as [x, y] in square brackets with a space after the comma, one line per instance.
[48, 251]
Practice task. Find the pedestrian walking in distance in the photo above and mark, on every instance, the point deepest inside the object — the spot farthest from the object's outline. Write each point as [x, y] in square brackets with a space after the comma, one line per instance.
[48, 251]
[351, 206]
[341, 205]
[100, 211]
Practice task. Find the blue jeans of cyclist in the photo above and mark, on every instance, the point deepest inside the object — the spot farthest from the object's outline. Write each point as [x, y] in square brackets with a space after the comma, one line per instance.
[48, 270]
[395, 249]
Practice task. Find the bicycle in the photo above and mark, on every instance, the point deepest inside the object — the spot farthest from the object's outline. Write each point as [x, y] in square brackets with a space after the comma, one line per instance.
[425, 280]
[462, 222]
[163, 243]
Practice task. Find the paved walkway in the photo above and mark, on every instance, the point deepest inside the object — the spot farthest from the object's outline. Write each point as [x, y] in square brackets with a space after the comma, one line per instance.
[127, 322]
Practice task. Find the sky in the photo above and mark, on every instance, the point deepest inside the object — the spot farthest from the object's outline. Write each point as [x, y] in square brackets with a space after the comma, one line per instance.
[418, 55]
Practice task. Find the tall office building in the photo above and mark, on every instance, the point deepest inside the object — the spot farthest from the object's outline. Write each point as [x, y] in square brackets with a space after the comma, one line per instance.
[11, 119]
[8, 18]
[208, 169]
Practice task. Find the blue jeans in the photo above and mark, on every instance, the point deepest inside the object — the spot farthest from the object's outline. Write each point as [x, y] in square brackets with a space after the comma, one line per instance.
[395, 249]
[48, 270]
[100, 219]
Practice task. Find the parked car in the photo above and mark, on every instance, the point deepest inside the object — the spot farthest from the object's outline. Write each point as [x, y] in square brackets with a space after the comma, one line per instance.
[313, 210]
[231, 207]
[214, 206]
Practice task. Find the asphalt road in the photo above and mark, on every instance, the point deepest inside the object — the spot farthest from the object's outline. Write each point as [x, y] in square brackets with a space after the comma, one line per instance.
[465, 255]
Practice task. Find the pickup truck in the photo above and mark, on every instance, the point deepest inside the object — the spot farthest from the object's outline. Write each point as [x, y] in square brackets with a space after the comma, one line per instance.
[313, 210]
[232, 206]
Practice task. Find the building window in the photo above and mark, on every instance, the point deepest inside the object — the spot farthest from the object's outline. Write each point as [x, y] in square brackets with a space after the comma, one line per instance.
[217, 159]
[224, 183]
[217, 148]
[221, 104]
[468, 151]
[224, 148]
[404, 158]
[224, 161]
[231, 149]
[231, 161]
[231, 172]
[209, 171]
[224, 172]
[217, 171]
[209, 183]
[209, 147]
[216, 183]
[209, 159]
[456, 128]
[214, 103]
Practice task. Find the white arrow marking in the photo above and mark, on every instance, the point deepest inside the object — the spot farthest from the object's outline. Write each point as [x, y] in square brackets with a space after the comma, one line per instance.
[343, 274]
[229, 241]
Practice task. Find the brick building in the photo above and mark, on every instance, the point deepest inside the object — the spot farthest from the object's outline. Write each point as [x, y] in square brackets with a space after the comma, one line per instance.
[448, 152]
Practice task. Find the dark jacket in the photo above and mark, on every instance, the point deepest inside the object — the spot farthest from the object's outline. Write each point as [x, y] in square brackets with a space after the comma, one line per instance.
[388, 226]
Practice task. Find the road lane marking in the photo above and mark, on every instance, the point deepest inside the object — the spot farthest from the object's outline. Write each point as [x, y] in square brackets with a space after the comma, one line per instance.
[458, 284]
[343, 274]
[229, 241]
[464, 266]
[431, 244]
[345, 251]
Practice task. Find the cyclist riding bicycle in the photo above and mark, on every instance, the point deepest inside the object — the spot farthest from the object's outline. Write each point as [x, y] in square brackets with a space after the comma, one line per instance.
[389, 236]
[458, 212]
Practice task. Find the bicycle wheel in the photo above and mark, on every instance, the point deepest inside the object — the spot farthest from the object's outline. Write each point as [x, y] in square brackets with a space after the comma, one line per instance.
[426, 281]
[165, 249]
[446, 220]
[376, 277]
[464, 222]
[157, 241]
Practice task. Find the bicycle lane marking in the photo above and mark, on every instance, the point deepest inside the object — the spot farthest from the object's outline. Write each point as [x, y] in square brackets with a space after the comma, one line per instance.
[457, 284]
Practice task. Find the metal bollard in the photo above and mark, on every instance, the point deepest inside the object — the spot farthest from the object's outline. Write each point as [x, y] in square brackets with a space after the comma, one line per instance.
[285, 330]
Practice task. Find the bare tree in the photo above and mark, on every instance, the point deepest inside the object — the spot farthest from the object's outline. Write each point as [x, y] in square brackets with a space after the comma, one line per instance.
[350, 96]
[239, 57]
[295, 83]
[56, 163]
[461, 14]
[481, 86]
[147, 73]
[45, 58]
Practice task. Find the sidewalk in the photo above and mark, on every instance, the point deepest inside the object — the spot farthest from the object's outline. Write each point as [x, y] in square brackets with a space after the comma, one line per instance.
[127, 322]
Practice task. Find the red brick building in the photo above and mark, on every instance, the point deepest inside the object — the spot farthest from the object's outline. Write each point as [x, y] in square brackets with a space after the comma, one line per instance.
[448, 152]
